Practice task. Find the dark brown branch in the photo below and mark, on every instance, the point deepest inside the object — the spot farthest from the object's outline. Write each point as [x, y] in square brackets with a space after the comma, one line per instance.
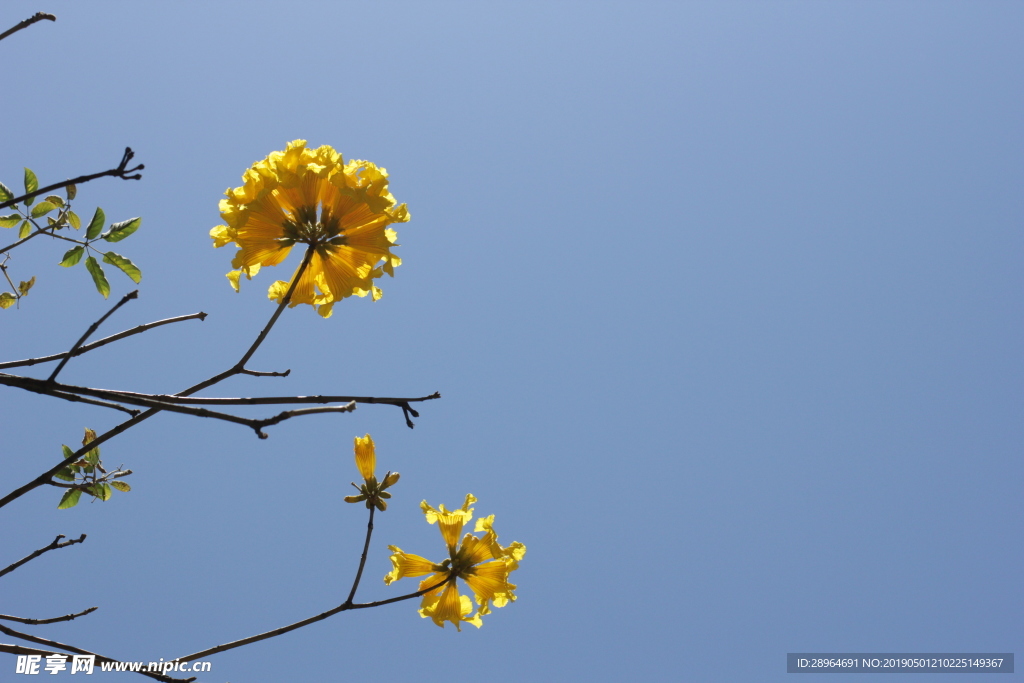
[305, 622]
[38, 16]
[257, 373]
[57, 543]
[258, 425]
[134, 294]
[66, 617]
[121, 171]
[362, 558]
[58, 390]
[91, 401]
[178, 399]
[103, 342]
[80, 651]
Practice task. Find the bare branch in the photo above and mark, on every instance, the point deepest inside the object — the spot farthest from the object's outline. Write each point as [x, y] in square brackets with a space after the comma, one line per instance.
[256, 373]
[106, 340]
[134, 294]
[362, 559]
[66, 617]
[121, 171]
[104, 404]
[258, 425]
[306, 622]
[57, 543]
[38, 16]
[59, 390]
[80, 651]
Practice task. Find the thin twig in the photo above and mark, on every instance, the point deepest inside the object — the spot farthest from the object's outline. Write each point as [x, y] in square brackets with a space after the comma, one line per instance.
[57, 543]
[362, 559]
[80, 651]
[91, 401]
[134, 294]
[48, 230]
[257, 373]
[103, 342]
[33, 622]
[121, 171]
[38, 16]
[305, 622]
[258, 425]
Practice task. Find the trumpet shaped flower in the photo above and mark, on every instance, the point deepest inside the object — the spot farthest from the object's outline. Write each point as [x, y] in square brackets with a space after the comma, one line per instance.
[341, 211]
[480, 561]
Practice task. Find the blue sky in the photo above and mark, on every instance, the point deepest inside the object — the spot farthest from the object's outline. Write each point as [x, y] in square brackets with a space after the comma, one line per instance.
[723, 300]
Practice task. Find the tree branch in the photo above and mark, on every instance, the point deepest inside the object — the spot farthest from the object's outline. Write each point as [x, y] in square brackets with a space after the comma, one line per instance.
[305, 622]
[80, 651]
[66, 617]
[38, 16]
[134, 294]
[57, 543]
[67, 391]
[121, 171]
[106, 340]
[362, 558]
[103, 404]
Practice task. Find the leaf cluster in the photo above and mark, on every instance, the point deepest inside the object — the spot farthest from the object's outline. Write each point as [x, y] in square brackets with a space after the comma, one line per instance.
[89, 476]
[59, 216]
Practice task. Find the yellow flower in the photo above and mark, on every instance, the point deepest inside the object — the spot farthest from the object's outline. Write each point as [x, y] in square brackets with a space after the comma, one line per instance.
[371, 491]
[366, 456]
[480, 561]
[311, 196]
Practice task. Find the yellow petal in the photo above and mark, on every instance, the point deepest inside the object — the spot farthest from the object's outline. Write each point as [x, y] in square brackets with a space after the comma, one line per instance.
[366, 458]
[450, 521]
[451, 607]
[407, 564]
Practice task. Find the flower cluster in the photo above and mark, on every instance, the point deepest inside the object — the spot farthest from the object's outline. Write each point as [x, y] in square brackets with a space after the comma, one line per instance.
[341, 211]
[480, 561]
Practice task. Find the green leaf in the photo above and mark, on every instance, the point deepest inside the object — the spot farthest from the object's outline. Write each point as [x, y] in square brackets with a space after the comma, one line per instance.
[7, 300]
[93, 456]
[126, 266]
[74, 220]
[31, 184]
[101, 491]
[55, 200]
[42, 208]
[118, 231]
[98, 278]
[10, 220]
[69, 499]
[121, 486]
[65, 474]
[96, 224]
[26, 285]
[72, 191]
[5, 193]
[24, 230]
[72, 256]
